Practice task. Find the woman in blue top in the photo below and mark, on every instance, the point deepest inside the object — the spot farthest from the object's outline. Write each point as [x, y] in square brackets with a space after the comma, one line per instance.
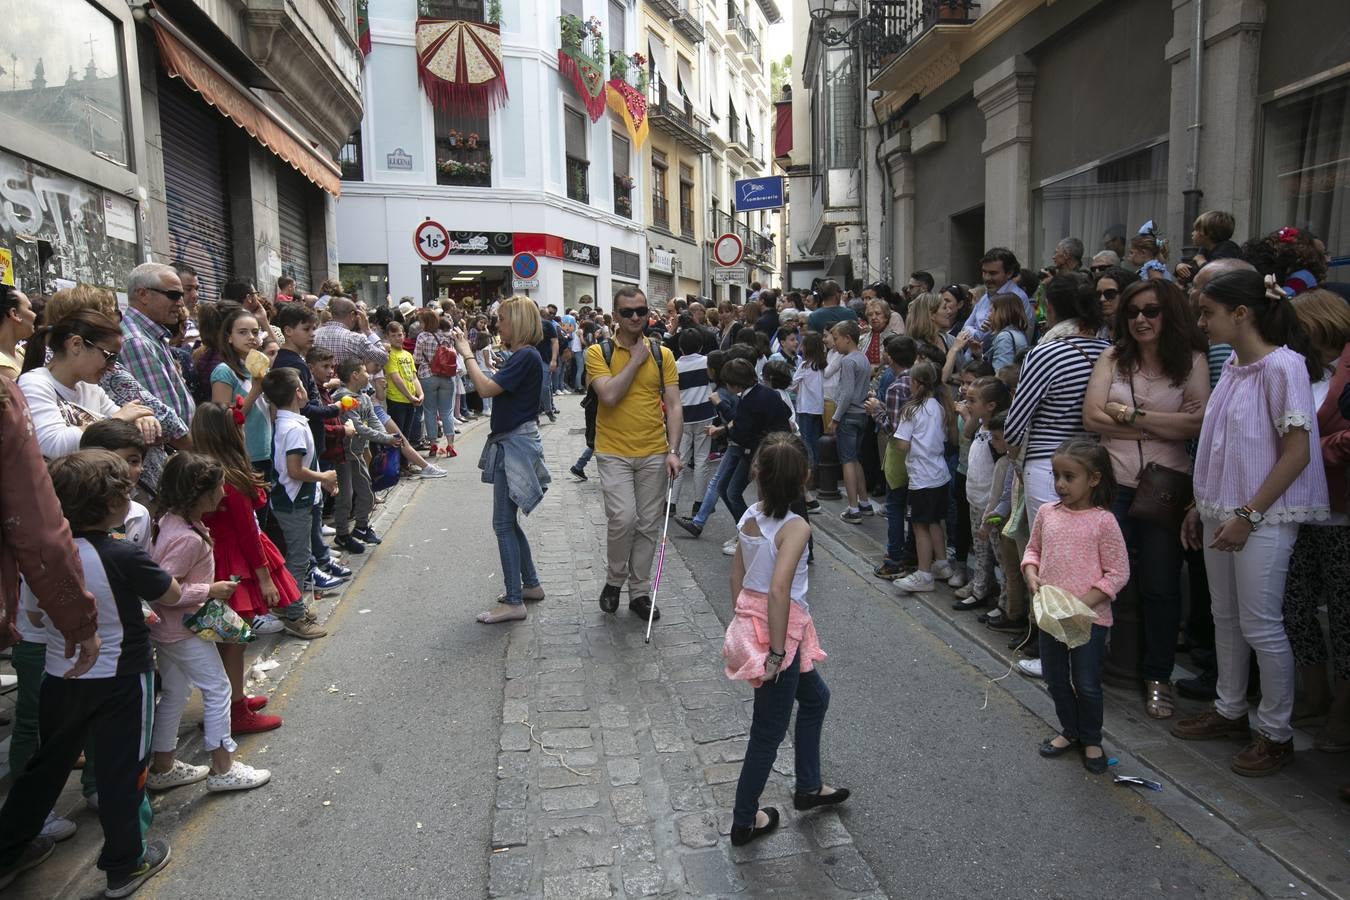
[233, 387]
[512, 461]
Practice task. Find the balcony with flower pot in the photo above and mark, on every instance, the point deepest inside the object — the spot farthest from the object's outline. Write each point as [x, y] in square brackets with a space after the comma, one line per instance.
[623, 195]
[463, 159]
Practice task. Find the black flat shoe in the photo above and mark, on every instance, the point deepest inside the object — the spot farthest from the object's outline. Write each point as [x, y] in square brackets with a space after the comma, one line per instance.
[742, 836]
[811, 801]
[1097, 765]
[689, 525]
[969, 603]
[609, 598]
[642, 606]
[1050, 751]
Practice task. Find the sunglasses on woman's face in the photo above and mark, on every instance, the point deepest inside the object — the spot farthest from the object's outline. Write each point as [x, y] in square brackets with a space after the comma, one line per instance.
[629, 312]
[1151, 311]
[1108, 294]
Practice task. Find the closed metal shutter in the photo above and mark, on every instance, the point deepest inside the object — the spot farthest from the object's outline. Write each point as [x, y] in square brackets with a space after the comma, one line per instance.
[660, 287]
[293, 213]
[194, 186]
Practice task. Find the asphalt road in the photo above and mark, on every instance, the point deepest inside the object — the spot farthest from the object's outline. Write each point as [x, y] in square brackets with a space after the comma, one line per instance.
[384, 771]
[951, 798]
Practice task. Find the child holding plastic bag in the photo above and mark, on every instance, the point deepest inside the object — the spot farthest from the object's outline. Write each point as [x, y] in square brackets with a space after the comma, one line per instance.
[192, 486]
[1077, 546]
[772, 641]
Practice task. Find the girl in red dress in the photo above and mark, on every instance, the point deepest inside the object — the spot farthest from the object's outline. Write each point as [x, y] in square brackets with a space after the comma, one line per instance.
[241, 549]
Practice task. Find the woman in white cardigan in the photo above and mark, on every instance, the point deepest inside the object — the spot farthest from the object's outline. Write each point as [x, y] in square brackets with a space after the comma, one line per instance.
[64, 397]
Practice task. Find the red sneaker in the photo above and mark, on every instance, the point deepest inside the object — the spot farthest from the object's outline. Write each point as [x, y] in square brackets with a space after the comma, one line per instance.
[256, 703]
[245, 721]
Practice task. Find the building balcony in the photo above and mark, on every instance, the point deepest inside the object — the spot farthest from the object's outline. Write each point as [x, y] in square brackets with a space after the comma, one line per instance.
[673, 115]
[752, 56]
[682, 16]
[578, 180]
[734, 35]
[687, 222]
[661, 213]
[904, 37]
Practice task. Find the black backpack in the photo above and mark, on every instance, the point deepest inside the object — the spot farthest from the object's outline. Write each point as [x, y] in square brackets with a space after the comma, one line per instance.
[591, 403]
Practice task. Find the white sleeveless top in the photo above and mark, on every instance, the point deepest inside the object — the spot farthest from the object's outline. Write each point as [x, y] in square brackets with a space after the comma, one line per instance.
[760, 553]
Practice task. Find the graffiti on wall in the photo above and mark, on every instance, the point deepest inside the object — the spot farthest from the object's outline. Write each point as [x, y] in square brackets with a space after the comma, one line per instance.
[58, 227]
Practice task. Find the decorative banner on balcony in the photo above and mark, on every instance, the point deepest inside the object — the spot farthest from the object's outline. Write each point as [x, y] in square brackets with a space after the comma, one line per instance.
[587, 77]
[363, 26]
[629, 104]
[460, 64]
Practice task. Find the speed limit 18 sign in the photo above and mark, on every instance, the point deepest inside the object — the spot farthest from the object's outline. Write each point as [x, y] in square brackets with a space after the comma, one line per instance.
[432, 241]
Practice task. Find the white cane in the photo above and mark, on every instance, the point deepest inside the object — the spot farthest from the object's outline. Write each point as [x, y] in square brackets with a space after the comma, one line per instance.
[660, 558]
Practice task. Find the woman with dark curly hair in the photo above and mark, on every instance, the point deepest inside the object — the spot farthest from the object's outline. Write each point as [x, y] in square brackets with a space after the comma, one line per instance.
[1291, 256]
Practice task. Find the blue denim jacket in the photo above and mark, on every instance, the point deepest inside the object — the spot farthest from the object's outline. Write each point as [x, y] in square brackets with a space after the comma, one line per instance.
[522, 453]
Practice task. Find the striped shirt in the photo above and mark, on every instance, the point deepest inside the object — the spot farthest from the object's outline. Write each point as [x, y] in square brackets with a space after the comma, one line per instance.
[1048, 406]
[695, 388]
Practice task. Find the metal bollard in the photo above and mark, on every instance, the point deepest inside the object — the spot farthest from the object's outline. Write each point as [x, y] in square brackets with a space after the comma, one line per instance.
[828, 470]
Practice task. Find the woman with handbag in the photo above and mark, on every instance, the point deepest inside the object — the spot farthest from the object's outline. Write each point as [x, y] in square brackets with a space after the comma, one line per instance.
[1146, 399]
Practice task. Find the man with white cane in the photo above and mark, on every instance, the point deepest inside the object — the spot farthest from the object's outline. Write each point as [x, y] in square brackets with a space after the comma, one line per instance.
[637, 435]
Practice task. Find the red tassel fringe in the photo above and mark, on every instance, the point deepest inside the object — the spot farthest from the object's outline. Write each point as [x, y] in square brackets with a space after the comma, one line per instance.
[595, 105]
[476, 98]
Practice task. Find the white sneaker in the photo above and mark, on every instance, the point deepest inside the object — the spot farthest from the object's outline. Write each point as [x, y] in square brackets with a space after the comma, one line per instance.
[266, 624]
[729, 548]
[179, 775]
[916, 582]
[239, 778]
[1030, 668]
[960, 576]
[433, 471]
[942, 570]
[8, 681]
[57, 828]
[328, 531]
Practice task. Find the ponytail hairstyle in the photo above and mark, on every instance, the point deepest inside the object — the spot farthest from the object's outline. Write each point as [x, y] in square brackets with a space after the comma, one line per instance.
[229, 315]
[216, 434]
[992, 390]
[89, 325]
[1273, 311]
[187, 477]
[781, 471]
[1071, 296]
[1093, 457]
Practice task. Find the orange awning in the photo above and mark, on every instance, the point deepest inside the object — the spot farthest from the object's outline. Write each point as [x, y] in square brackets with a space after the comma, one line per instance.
[181, 61]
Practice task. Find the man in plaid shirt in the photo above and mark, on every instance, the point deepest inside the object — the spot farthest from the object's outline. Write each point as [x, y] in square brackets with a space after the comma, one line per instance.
[901, 351]
[339, 337]
[155, 302]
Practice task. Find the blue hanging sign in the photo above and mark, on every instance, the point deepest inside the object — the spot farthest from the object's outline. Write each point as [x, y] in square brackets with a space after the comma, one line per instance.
[759, 193]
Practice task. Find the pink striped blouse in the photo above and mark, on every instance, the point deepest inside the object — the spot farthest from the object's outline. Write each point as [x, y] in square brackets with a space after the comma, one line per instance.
[1250, 409]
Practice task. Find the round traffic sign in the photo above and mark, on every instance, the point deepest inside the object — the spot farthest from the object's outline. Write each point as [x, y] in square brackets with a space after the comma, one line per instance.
[432, 241]
[525, 266]
[728, 249]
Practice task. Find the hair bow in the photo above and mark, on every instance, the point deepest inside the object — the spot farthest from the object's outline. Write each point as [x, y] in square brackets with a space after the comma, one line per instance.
[1276, 293]
[237, 410]
[1147, 228]
[1287, 235]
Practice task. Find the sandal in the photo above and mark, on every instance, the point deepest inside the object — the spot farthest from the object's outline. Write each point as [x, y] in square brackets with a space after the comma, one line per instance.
[1158, 699]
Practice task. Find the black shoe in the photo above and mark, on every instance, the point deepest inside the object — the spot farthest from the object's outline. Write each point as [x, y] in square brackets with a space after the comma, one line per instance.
[35, 854]
[1097, 765]
[813, 506]
[366, 535]
[740, 836]
[642, 606]
[579, 472]
[1201, 687]
[689, 525]
[1007, 624]
[609, 598]
[552, 416]
[156, 857]
[349, 543]
[969, 603]
[1050, 751]
[811, 801]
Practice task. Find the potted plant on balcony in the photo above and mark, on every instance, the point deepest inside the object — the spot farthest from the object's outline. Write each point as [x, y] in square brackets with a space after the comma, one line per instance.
[955, 11]
[618, 65]
[573, 31]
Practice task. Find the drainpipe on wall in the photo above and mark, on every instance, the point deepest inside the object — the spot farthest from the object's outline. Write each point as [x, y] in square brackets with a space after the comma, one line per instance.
[1193, 194]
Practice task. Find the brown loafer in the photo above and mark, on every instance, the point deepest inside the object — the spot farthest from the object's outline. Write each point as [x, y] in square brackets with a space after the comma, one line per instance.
[1210, 725]
[1158, 699]
[1263, 757]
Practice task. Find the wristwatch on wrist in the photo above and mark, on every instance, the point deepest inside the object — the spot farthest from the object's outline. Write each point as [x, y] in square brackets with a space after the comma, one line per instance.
[1253, 517]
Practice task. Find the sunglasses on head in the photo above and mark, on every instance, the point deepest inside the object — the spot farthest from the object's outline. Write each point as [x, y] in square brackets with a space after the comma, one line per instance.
[629, 312]
[1152, 311]
[1109, 293]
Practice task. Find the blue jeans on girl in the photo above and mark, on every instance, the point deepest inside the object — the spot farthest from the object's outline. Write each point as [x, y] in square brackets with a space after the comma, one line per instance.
[1075, 681]
[730, 459]
[517, 563]
[732, 487]
[773, 710]
[439, 392]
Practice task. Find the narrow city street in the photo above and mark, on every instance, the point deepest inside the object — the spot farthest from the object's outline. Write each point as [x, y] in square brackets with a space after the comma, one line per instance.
[425, 755]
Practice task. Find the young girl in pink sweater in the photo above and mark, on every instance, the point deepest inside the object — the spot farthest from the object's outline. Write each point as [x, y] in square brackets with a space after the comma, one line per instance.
[1077, 546]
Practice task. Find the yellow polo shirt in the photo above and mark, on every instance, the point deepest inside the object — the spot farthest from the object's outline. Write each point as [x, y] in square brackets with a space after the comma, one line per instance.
[636, 425]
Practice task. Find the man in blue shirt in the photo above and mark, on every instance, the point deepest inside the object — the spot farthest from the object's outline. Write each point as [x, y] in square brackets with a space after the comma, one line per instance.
[831, 311]
[999, 270]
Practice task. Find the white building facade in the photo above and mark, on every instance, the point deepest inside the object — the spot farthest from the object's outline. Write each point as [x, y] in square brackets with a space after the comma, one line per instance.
[534, 174]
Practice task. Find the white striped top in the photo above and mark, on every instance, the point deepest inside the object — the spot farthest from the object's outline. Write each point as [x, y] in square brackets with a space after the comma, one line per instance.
[1047, 408]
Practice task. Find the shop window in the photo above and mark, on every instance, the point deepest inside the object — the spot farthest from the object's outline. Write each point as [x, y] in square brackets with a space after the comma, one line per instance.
[68, 82]
[464, 10]
[365, 282]
[687, 201]
[463, 153]
[575, 286]
[349, 158]
[1305, 167]
[660, 203]
[1103, 205]
[623, 177]
[578, 166]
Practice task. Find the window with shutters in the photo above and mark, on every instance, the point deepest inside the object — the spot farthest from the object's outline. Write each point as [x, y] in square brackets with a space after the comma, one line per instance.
[578, 166]
[573, 8]
[463, 153]
[660, 205]
[623, 178]
[618, 26]
[687, 201]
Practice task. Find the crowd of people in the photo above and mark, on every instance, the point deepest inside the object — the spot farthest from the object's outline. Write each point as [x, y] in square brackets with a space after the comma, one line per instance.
[181, 473]
[1040, 441]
